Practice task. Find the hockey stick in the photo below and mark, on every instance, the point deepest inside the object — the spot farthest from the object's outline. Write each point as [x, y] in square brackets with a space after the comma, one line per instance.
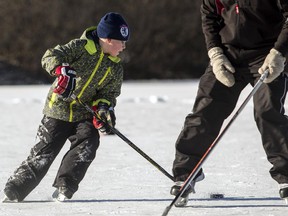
[125, 139]
[209, 150]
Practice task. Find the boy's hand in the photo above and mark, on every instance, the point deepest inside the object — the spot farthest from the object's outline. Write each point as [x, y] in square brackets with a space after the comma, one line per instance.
[106, 115]
[66, 80]
[275, 62]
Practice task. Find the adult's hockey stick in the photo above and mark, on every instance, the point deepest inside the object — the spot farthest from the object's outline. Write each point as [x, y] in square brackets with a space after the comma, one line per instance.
[124, 138]
[212, 146]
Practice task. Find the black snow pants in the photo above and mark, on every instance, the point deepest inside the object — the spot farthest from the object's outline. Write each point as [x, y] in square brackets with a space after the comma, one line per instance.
[53, 134]
[215, 102]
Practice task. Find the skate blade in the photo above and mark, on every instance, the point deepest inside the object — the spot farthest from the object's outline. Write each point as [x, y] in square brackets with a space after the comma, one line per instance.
[182, 202]
[7, 200]
[61, 198]
[58, 196]
[286, 200]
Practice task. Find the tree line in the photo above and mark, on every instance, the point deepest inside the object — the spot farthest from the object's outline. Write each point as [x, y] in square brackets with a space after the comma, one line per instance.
[166, 38]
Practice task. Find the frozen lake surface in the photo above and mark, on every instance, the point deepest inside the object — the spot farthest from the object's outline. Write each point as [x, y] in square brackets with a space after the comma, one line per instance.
[120, 181]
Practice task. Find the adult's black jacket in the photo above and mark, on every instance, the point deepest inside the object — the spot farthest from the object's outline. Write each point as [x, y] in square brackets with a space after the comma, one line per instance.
[246, 24]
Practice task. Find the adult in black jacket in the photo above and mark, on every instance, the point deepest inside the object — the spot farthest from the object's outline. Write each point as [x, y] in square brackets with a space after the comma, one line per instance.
[243, 38]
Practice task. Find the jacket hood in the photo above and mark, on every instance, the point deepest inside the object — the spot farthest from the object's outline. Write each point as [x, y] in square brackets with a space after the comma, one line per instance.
[91, 46]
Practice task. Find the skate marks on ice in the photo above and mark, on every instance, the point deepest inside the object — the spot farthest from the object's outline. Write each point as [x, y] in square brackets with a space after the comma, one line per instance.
[232, 206]
[237, 202]
[227, 202]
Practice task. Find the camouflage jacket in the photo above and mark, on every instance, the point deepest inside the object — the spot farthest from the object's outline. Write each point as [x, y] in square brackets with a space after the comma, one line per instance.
[99, 77]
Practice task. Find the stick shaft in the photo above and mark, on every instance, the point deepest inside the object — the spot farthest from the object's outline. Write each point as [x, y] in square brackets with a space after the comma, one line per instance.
[125, 139]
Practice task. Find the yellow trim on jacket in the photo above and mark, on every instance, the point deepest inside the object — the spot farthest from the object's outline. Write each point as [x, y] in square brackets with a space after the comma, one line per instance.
[85, 86]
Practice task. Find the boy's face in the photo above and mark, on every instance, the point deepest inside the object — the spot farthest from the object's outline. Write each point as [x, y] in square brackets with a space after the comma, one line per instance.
[114, 47]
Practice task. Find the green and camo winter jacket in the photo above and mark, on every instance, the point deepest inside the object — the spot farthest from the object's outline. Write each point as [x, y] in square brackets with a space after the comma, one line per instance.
[99, 77]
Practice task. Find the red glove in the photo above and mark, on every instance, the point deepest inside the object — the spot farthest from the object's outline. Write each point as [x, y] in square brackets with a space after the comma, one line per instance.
[106, 115]
[66, 80]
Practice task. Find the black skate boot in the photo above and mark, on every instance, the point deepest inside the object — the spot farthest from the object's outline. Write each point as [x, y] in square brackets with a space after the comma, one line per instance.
[62, 194]
[183, 200]
[284, 192]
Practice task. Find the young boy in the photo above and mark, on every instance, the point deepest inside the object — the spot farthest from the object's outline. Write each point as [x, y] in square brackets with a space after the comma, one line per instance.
[89, 68]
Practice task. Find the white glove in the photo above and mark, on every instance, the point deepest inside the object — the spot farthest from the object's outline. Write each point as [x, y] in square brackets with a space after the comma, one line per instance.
[221, 66]
[275, 62]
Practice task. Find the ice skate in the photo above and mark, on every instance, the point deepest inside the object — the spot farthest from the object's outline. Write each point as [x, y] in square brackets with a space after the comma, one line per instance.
[62, 194]
[183, 200]
[10, 195]
[284, 192]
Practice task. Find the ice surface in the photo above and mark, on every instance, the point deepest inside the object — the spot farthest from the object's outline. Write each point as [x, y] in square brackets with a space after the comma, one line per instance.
[122, 182]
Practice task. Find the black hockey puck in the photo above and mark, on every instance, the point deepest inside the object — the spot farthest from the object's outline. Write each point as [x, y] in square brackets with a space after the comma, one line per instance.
[216, 196]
